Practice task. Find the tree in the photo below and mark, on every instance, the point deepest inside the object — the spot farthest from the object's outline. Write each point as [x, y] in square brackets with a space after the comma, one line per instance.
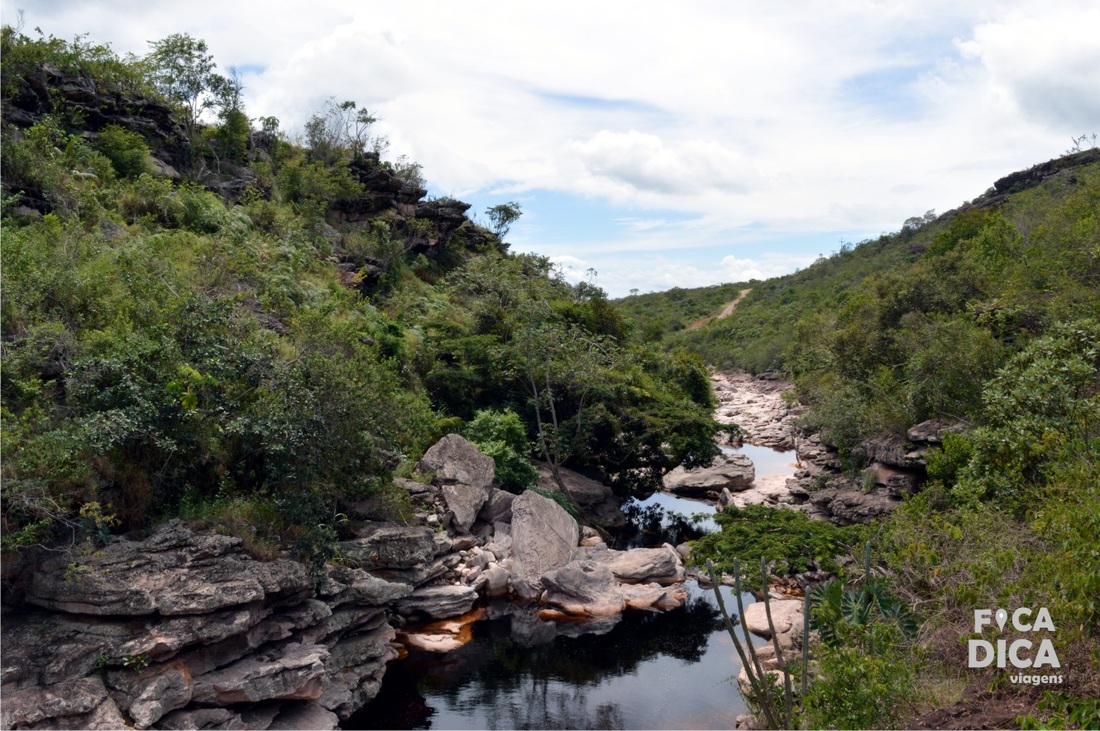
[341, 128]
[502, 216]
[183, 71]
[232, 135]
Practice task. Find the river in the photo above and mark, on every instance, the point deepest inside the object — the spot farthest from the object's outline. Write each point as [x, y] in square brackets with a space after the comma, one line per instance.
[640, 670]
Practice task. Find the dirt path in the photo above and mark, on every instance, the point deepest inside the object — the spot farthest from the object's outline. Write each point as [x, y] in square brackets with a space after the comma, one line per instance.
[726, 311]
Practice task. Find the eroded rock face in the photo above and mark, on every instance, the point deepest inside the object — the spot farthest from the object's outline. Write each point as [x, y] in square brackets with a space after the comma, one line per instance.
[544, 537]
[464, 474]
[173, 572]
[291, 650]
[732, 471]
[389, 546]
[437, 602]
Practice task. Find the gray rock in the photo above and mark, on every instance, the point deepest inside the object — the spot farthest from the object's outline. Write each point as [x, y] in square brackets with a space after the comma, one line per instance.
[495, 580]
[583, 588]
[498, 508]
[73, 699]
[390, 546]
[355, 666]
[544, 537]
[597, 501]
[933, 430]
[152, 693]
[355, 586]
[175, 571]
[437, 602]
[733, 471]
[292, 672]
[641, 565]
[302, 716]
[848, 505]
[464, 474]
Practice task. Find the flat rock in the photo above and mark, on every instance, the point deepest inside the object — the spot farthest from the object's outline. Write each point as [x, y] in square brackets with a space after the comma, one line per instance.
[584, 588]
[344, 585]
[653, 597]
[437, 602]
[732, 471]
[641, 565]
[391, 546]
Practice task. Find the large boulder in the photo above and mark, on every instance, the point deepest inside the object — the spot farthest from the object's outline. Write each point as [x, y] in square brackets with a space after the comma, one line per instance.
[583, 588]
[733, 471]
[463, 473]
[173, 572]
[786, 616]
[641, 565]
[544, 537]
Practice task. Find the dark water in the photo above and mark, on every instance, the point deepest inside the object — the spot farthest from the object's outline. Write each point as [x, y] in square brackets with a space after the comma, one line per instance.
[645, 670]
[640, 670]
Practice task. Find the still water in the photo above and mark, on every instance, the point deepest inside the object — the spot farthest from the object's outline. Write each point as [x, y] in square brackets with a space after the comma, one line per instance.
[640, 670]
[671, 670]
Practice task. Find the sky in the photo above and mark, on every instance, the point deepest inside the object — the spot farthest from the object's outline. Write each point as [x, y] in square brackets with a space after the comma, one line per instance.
[663, 144]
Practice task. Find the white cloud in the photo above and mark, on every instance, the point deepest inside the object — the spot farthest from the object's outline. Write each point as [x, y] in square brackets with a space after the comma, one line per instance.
[643, 162]
[737, 116]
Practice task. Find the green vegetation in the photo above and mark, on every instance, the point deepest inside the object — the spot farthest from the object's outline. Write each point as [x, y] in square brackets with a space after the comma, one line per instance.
[787, 539]
[986, 318]
[240, 345]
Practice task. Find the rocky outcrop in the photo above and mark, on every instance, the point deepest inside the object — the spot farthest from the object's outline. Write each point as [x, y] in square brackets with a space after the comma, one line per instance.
[182, 629]
[179, 629]
[730, 471]
[172, 573]
[437, 602]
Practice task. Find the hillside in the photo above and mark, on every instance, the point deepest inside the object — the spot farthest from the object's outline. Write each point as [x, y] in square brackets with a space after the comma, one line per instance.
[207, 319]
[982, 327]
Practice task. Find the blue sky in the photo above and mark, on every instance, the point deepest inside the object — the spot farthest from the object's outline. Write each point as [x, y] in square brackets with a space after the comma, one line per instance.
[665, 144]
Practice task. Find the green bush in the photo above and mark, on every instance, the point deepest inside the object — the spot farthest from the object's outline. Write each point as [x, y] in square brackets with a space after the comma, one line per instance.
[126, 150]
[787, 538]
[502, 436]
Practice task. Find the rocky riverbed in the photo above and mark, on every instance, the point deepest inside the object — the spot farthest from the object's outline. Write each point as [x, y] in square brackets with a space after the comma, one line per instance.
[763, 408]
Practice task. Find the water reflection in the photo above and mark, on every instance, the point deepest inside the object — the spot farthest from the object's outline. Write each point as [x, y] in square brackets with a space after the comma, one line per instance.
[668, 670]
